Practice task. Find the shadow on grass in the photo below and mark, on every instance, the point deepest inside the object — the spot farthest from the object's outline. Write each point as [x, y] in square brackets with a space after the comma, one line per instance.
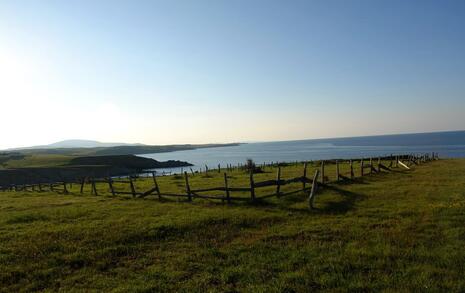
[347, 203]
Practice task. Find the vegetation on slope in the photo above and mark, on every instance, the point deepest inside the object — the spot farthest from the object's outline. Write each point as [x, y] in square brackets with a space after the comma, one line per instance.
[400, 231]
[70, 169]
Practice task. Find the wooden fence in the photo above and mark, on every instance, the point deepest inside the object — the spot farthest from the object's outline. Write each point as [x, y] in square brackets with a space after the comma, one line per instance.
[309, 185]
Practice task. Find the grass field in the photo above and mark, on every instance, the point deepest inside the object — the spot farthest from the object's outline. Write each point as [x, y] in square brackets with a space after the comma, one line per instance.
[399, 231]
[38, 160]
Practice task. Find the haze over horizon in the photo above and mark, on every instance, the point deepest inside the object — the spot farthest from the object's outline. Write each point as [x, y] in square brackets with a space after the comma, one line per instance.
[171, 72]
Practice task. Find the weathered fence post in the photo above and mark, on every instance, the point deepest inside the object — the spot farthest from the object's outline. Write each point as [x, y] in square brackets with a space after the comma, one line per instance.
[226, 189]
[155, 183]
[304, 177]
[252, 187]
[379, 164]
[206, 169]
[371, 166]
[40, 187]
[278, 181]
[188, 188]
[361, 168]
[337, 170]
[323, 172]
[219, 168]
[311, 197]
[133, 188]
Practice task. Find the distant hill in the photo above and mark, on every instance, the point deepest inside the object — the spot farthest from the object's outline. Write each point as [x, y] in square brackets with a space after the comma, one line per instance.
[78, 143]
[125, 149]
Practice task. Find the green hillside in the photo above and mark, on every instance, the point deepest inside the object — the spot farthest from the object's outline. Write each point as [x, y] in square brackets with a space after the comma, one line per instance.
[396, 231]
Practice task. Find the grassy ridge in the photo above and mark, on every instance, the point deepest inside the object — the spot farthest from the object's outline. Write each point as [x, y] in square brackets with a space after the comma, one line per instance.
[398, 231]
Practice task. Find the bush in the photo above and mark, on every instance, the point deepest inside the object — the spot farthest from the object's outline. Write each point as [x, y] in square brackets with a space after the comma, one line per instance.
[250, 167]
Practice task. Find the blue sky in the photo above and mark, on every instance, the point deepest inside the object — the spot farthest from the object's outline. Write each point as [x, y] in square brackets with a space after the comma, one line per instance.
[164, 72]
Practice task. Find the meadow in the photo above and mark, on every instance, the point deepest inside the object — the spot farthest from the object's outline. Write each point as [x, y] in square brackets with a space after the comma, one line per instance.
[394, 231]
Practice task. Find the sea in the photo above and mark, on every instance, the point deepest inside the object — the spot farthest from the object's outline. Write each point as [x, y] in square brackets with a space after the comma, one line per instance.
[450, 144]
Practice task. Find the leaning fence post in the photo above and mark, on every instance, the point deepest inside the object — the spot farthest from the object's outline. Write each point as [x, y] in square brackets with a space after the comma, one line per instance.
[252, 187]
[311, 197]
[188, 189]
[226, 189]
[304, 177]
[156, 185]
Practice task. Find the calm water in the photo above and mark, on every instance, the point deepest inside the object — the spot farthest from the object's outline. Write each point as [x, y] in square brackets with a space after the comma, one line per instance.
[447, 144]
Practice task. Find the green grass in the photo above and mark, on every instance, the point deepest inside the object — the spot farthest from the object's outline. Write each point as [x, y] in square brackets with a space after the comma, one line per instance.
[38, 160]
[400, 231]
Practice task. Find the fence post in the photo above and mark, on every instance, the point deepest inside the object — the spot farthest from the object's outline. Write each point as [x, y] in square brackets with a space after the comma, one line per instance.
[371, 166]
[304, 178]
[323, 172]
[219, 168]
[337, 170]
[252, 187]
[188, 189]
[94, 188]
[278, 181]
[156, 185]
[82, 185]
[133, 189]
[228, 198]
[352, 175]
[361, 168]
[379, 164]
[110, 184]
[65, 190]
[311, 197]
[40, 187]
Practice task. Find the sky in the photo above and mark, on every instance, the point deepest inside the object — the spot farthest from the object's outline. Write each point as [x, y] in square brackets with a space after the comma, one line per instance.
[168, 72]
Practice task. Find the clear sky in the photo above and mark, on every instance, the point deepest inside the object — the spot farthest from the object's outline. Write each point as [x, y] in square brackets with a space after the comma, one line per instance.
[162, 72]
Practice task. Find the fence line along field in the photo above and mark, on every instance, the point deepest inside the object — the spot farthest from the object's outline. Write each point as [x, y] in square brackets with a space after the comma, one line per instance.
[241, 183]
